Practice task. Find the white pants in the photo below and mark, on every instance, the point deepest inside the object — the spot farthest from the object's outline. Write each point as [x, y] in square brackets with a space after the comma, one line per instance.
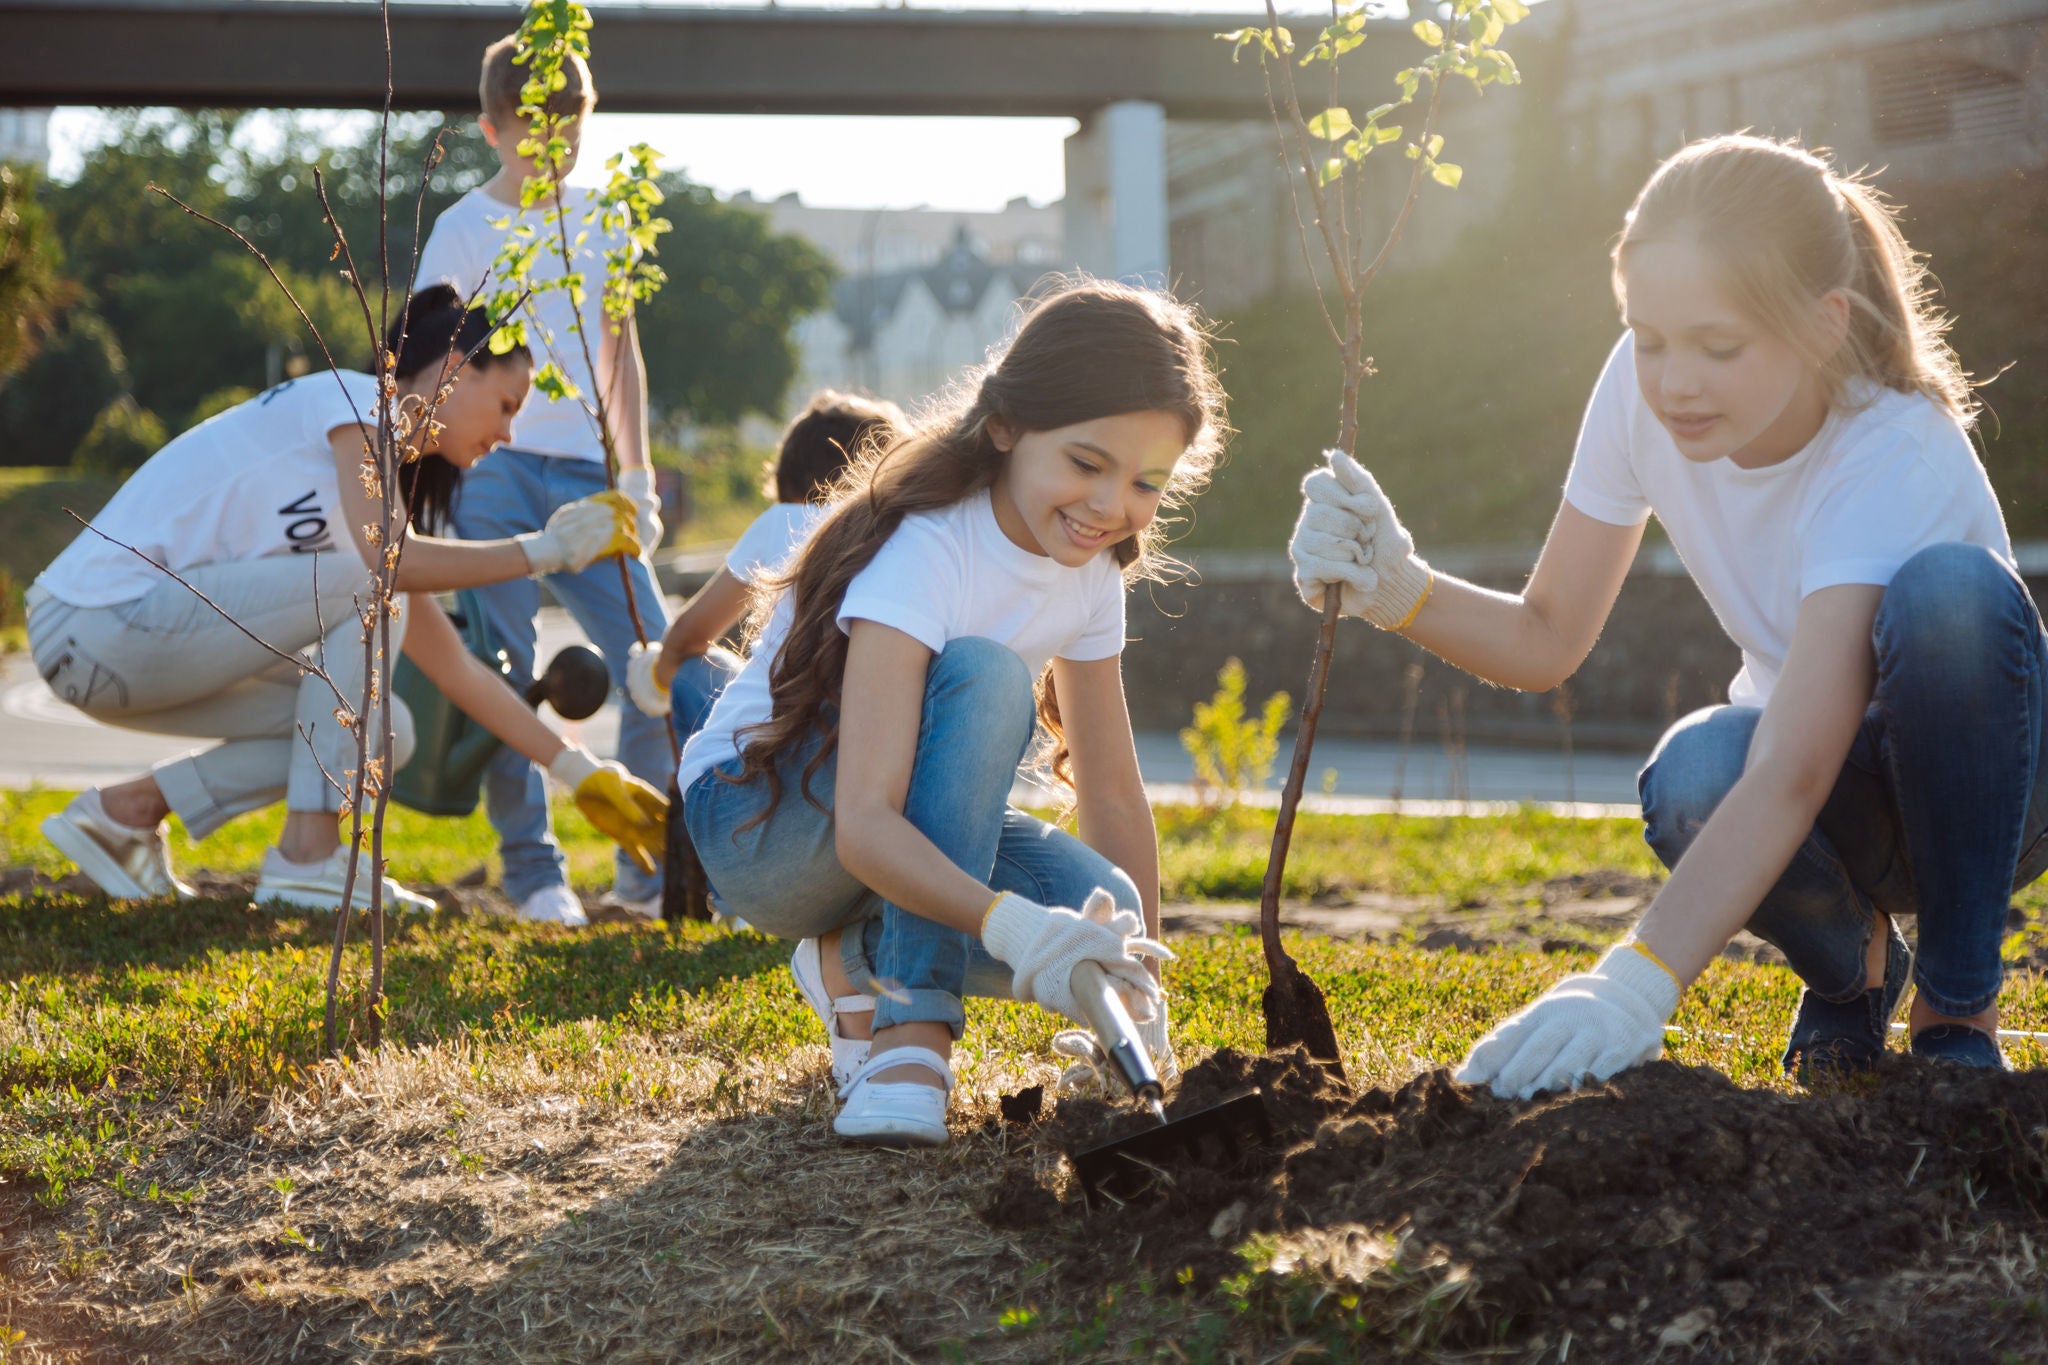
[169, 664]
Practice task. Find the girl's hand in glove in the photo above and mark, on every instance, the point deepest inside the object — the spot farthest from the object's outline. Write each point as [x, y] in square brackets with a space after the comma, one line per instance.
[1585, 1027]
[647, 694]
[1349, 537]
[581, 533]
[624, 809]
[638, 484]
[1043, 945]
[1090, 1065]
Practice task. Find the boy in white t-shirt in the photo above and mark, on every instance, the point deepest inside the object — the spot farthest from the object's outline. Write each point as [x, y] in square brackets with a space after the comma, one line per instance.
[683, 677]
[555, 457]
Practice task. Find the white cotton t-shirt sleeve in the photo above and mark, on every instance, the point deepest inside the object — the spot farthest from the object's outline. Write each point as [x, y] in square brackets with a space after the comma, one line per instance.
[1603, 482]
[771, 538]
[1895, 498]
[1103, 636]
[914, 583]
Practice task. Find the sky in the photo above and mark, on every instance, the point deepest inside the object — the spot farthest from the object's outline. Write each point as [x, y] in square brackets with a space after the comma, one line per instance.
[963, 164]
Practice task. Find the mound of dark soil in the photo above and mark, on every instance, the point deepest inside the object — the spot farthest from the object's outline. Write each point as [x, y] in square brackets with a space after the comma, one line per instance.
[1667, 1209]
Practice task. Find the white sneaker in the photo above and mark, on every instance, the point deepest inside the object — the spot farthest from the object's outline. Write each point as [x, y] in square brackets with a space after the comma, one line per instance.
[123, 861]
[847, 1053]
[555, 904]
[317, 886]
[900, 1113]
[649, 909]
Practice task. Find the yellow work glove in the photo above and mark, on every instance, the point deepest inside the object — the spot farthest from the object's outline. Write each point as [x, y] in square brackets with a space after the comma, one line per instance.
[624, 809]
[582, 532]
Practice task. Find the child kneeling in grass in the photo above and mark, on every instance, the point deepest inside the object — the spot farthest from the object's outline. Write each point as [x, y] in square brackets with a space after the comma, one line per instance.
[685, 674]
[850, 787]
[1784, 403]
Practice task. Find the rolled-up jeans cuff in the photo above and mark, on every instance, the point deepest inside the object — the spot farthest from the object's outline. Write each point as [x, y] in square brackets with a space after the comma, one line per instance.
[895, 1005]
[184, 791]
[1955, 1007]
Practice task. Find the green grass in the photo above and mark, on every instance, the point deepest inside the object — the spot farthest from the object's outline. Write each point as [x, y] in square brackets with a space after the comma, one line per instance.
[134, 1036]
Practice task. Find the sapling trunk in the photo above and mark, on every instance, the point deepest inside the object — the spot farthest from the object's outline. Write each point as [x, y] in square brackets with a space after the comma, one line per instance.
[1296, 1012]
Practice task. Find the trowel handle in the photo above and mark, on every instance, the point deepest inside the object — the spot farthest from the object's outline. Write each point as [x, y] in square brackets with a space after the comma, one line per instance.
[1115, 1030]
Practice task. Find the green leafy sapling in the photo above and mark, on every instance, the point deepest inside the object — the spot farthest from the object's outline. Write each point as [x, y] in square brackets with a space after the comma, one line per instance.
[622, 212]
[1329, 151]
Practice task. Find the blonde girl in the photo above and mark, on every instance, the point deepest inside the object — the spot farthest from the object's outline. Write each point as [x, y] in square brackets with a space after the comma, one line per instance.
[1784, 403]
[850, 788]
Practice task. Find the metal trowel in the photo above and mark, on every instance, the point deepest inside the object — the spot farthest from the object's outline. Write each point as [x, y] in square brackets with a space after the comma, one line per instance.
[1126, 1168]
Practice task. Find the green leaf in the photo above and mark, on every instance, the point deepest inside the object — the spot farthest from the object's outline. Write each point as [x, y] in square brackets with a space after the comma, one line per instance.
[1511, 11]
[551, 382]
[1430, 32]
[1380, 136]
[1385, 109]
[1446, 174]
[1436, 143]
[1359, 147]
[1331, 169]
[1332, 124]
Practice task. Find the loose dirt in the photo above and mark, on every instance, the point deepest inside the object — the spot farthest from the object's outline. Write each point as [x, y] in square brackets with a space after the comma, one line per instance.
[1667, 1212]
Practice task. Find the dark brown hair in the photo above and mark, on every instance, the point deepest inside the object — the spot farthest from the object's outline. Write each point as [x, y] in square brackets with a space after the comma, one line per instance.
[433, 326]
[824, 439]
[1089, 349]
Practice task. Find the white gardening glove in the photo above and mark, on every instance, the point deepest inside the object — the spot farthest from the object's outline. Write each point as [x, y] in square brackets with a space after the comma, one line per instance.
[581, 533]
[1152, 1032]
[1349, 536]
[1585, 1027]
[1089, 1064]
[647, 694]
[638, 484]
[1043, 944]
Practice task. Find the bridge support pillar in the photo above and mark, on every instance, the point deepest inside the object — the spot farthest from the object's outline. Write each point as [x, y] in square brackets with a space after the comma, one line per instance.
[1116, 193]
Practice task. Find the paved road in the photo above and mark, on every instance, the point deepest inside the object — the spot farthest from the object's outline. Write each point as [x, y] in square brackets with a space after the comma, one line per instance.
[44, 741]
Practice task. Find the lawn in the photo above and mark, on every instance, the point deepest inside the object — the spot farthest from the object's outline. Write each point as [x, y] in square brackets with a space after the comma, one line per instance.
[611, 1142]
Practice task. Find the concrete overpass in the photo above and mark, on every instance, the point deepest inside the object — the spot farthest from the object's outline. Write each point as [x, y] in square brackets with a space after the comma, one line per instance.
[1122, 75]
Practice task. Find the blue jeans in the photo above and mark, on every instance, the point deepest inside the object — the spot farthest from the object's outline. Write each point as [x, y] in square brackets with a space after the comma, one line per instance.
[698, 683]
[783, 876]
[1939, 811]
[509, 493]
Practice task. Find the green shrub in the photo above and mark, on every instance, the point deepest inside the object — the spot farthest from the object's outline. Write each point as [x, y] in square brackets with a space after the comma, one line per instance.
[1234, 753]
[47, 408]
[122, 437]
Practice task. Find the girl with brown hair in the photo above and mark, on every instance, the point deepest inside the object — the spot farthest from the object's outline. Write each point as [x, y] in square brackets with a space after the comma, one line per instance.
[850, 788]
[1784, 402]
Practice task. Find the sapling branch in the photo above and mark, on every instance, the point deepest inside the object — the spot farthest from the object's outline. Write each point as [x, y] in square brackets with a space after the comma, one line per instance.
[276, 279]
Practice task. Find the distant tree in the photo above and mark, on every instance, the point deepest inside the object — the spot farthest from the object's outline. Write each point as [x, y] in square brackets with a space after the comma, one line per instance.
[50, 404]
[717, 339]
[194, 313]
[32, 288]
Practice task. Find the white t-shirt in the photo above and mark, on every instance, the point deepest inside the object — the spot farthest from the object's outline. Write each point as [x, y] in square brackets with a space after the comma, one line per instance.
[460, 249]
[772, 538]
[254, 481]
[945, 575]
[1871, 489]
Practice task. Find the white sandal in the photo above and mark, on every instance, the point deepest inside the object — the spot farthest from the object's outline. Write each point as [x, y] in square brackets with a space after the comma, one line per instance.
[806, 965]
[896, 1113]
